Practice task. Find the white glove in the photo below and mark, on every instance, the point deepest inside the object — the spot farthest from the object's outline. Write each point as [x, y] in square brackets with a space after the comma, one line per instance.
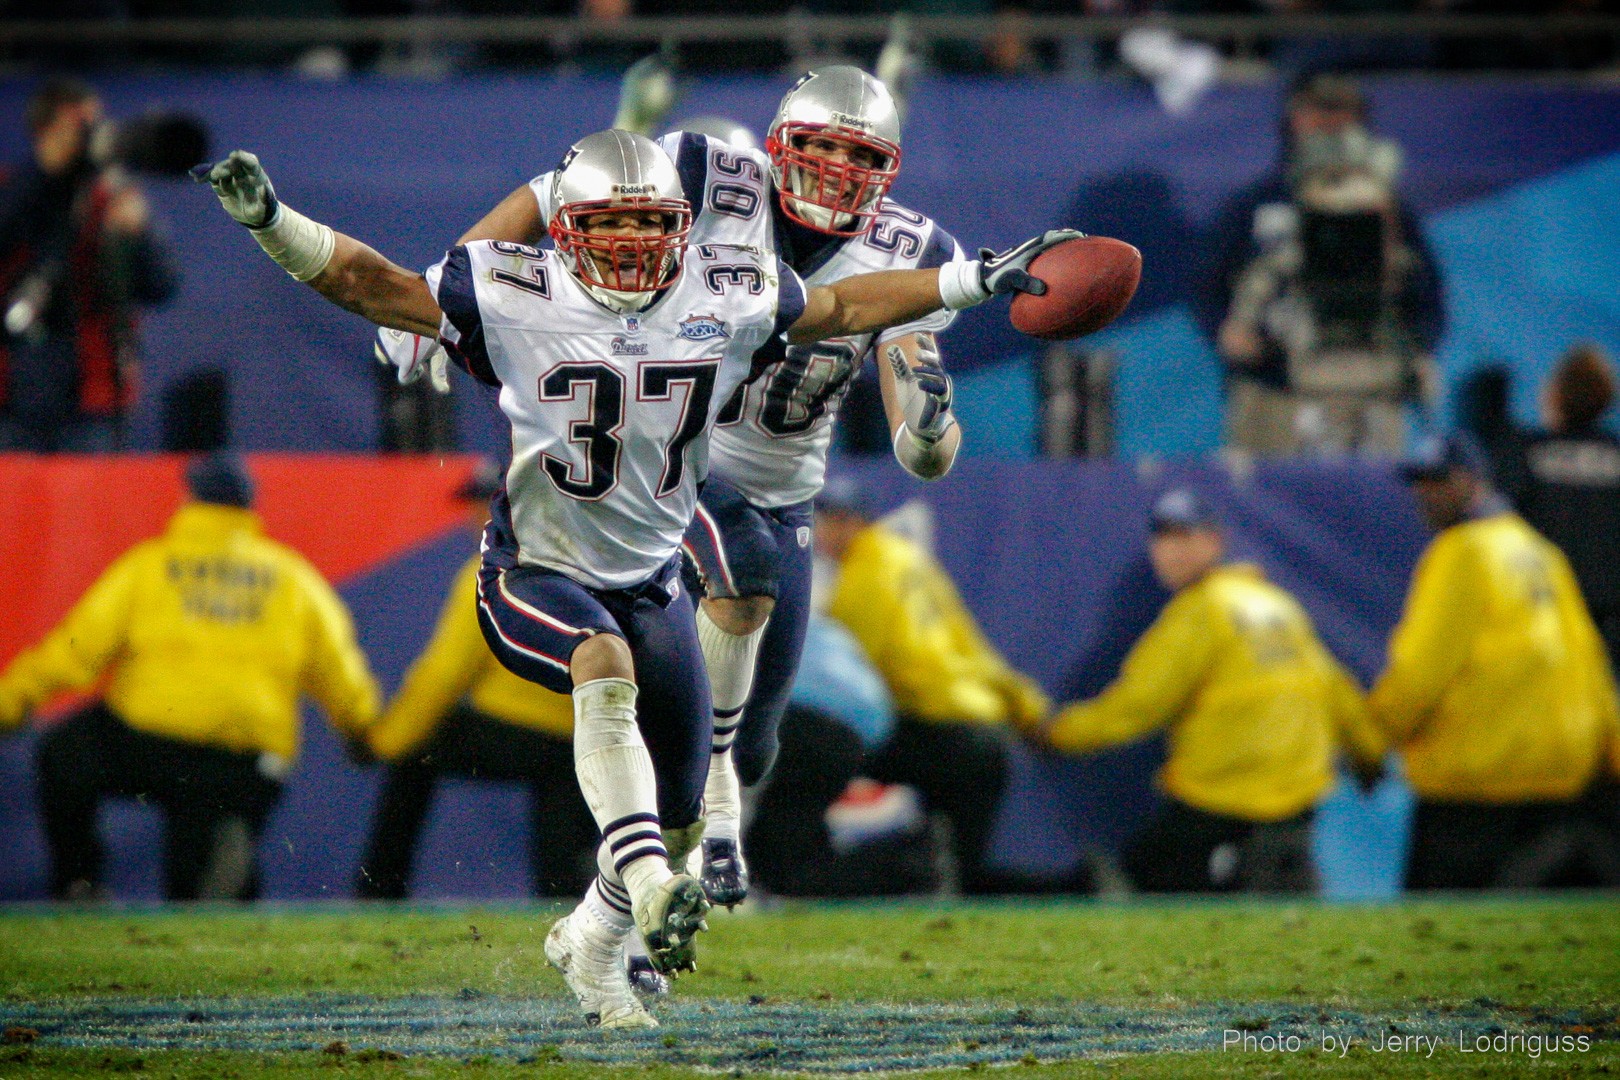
[925, 391]
[1008, 271]
[964, 284]
[243, 189]
[413, 355]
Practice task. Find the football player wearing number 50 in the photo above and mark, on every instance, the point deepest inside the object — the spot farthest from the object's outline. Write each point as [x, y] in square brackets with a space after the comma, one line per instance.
[817, 197]
[611, 353]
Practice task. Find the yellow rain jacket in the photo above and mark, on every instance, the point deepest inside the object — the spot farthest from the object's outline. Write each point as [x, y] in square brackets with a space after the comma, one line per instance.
[900, 604]
[456, 662]
[211, 631]
[1497, 688]
[1256, 705]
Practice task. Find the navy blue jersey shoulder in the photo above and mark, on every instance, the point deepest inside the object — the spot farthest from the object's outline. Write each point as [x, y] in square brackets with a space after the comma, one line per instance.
[459, 302]
[692, 165]
[939, 250]
[790, 299]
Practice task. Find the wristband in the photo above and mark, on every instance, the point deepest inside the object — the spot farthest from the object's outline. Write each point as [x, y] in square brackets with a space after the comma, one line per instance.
[922, 458]
[298, 245]
[961, 284]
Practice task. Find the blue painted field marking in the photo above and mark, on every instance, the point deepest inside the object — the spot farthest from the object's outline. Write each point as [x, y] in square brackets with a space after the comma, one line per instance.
[834, 1038]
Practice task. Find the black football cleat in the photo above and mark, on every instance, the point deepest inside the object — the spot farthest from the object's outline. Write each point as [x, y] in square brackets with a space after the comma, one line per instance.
[725, 875]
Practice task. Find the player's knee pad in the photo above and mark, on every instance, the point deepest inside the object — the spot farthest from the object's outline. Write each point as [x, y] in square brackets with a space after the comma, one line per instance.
[610, 757]
[605, 715]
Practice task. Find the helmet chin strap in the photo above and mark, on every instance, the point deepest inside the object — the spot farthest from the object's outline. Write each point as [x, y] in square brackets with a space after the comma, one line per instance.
[623, 301]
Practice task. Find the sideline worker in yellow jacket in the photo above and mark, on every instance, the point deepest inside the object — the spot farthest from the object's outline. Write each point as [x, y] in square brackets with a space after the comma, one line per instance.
[210, 632]
[954, 693]
[460, 713]
[1256, 709]
[1499, 696]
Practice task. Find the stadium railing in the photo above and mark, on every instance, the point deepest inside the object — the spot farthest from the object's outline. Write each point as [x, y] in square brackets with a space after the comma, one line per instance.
[791, 29]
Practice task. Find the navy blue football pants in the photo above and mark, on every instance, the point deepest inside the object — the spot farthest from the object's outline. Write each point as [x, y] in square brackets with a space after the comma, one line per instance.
[740, 549]
[534, 618]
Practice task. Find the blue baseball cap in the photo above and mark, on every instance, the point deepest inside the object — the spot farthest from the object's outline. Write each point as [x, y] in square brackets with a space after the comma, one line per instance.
[221, 479]
[484, 481]
[1436, 457]
[1182, 508]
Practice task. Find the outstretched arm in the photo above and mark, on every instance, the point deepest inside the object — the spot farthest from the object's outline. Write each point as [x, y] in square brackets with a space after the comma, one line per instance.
[360, 280]
[339, 267]
[515, 218]
[866, 303]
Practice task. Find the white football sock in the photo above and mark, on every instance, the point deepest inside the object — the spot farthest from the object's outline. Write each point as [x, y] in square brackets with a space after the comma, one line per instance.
[609, 906]
[634, 945]
[616, 777]
[730, 660]
[722, 797]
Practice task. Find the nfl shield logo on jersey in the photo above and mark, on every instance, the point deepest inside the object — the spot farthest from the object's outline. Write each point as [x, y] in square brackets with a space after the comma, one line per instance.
[702, 328]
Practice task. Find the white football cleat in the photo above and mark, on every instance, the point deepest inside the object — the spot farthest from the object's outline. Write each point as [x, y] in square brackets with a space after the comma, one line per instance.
[592, 963]
[669, 916]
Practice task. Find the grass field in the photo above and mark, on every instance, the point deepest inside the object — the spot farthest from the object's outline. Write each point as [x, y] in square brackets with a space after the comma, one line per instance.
[1216, 989]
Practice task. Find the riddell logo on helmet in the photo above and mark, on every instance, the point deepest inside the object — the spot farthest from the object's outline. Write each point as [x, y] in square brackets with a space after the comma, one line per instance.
[633, 191]
[859, 123]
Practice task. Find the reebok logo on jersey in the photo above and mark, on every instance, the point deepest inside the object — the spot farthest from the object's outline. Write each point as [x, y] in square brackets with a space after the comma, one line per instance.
[622, 347]
[702, 328]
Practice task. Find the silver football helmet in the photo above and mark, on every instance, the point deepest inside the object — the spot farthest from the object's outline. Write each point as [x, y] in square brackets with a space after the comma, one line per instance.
[612, 172]
[840, 195]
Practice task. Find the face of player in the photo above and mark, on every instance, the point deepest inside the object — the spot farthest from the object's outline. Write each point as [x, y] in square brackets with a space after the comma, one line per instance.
[1445, 502]
[1306, 119]
[618, 262]
[840, 182]
[65, 139]
[1181, 557]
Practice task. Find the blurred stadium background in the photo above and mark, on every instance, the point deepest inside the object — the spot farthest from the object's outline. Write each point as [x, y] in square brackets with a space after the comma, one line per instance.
[404, 122]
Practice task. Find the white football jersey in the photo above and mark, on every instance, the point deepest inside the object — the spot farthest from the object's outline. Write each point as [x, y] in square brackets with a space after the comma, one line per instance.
[772, 437]
[611, 413]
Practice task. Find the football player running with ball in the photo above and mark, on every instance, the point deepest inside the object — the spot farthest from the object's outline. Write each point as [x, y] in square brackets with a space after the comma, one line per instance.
[611, 353]
[817, 197]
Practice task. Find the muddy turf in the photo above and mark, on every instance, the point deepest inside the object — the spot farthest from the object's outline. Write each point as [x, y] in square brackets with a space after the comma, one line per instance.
[1468, 988]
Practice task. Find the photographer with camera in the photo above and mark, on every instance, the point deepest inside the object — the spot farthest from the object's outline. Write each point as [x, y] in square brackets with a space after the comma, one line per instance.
[1326, 305]
[77, 255]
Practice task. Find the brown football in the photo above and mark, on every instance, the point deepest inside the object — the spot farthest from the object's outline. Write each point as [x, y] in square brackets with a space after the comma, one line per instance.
[1089, 282]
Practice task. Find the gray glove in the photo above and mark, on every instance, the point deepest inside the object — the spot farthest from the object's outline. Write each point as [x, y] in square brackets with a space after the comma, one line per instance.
[1008, 271]
[243, 189]
[646, 94]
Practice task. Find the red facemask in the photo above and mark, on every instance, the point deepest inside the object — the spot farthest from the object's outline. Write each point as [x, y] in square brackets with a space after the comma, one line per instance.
[634, 264]
[840, 199]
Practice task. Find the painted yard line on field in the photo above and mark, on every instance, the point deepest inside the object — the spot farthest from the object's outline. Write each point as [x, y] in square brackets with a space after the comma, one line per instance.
[829, 1038]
